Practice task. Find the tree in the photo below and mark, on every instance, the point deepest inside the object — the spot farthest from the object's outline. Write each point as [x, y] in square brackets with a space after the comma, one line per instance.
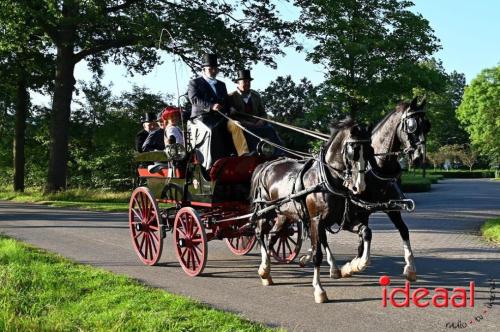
[372, 51]
[468, 156]
[295, 104]
[23, 66]
[442, 102]
[479, 112]
[127, 32]
[435, 158]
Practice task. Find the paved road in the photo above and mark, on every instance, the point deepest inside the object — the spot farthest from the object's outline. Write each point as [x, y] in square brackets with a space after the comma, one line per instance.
[444, 231]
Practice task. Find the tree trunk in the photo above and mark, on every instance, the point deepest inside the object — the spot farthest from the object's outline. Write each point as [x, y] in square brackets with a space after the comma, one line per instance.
[59, 122]
[22, 104]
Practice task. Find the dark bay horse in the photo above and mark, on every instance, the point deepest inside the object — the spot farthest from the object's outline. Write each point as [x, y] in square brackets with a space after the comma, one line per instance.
[340, 169]
[402, 131]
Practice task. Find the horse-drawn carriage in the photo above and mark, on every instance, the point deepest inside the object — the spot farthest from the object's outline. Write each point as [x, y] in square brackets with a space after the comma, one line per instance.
[243, 199]
[198, 203]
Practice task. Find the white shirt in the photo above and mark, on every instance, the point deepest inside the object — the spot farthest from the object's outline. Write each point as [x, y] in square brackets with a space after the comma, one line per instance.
[211, 82]
[176, 132]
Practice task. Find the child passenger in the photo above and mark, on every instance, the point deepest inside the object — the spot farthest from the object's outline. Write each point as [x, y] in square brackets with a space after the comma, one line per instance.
[170, 117]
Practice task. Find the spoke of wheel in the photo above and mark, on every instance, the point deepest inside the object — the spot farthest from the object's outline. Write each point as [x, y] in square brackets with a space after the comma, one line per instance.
[199, 249]
[197, 240]
[152, 243]
[288, 245]
[294, 243]
[153, 217]
[184, 254]
[138, 206]
[192, 259]
[155, 236]
[137, 214]
[180, 230]
[154, 228]
[195, 255]
[284, 252]
[151, 253]
[189, 258]
[146, 247]
[137, 234]
[142, 242]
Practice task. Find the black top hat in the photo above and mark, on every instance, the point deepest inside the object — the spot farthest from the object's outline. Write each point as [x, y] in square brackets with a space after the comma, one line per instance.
[149, 117]
[210, 60]
[244, 75]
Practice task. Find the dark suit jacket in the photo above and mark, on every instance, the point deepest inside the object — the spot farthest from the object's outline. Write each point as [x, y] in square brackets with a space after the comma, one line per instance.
[202, 96]
[237, 103]
[139, 140]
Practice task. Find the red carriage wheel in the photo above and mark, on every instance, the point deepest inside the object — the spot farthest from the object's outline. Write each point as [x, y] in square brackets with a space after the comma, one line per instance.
[190, 241]
[145, 226]
[287, 243]
[242, 244]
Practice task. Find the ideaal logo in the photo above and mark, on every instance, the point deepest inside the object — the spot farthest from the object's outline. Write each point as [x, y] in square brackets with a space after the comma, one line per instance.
[422, 297]
[439, 297]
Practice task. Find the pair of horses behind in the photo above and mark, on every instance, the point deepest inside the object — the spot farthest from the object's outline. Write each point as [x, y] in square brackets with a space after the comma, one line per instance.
[354, 163]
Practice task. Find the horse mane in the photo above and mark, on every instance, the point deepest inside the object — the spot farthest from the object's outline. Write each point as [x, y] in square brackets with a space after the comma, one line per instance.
[400, 107]
[337, 126]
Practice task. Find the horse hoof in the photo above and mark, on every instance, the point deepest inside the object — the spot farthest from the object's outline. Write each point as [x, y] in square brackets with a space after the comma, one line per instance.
[411, 276]
[267, 282]
[264, 273]
[335, 274]
[346, 271]
[302, 261]
[320, 298]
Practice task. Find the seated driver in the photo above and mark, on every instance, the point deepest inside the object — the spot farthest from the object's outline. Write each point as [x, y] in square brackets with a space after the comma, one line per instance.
[147, 139]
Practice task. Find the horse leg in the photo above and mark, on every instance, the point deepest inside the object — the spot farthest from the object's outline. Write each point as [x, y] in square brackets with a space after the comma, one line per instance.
[265, 265]
[359, 263]
[334, 269]
[319, 292]
[410, 271]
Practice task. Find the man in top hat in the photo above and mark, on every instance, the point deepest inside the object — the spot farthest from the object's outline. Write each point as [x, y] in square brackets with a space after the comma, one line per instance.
[207, 95]
[245, 101]
[148, 124]
[151, 137]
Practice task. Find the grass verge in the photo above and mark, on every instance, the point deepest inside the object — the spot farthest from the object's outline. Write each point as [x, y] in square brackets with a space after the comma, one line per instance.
[491, 230]
[44, 292]
[415, 183]
[90, 199]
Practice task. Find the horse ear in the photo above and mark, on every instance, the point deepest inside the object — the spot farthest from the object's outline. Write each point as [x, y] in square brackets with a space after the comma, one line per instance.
[423, 103]
[413, 104]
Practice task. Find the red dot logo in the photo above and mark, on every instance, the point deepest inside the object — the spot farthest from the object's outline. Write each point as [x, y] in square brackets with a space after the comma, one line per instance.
[384, 281]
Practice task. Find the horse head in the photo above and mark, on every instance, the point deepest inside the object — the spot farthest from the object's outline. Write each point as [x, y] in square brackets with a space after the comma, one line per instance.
[349, 151]
[413, 129]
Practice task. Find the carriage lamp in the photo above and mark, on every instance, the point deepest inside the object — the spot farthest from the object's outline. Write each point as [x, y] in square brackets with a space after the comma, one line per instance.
[175, 151]
[265, 149]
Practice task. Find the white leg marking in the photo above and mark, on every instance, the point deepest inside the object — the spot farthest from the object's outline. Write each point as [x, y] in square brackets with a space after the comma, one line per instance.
[334, 269]
[265, 268]
[319, 292]
[410, 271]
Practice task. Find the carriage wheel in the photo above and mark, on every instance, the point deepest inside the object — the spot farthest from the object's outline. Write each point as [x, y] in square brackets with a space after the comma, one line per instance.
[288, 243]
[145, 226]
[242, 244]
[190, 241]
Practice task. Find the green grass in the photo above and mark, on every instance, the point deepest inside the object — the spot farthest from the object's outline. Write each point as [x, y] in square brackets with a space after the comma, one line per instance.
[44, 292]
[491, 230]
[415, 183]
[90, 199]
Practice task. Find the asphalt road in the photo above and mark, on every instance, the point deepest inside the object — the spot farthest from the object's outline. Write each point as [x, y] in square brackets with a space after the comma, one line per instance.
[444, 233]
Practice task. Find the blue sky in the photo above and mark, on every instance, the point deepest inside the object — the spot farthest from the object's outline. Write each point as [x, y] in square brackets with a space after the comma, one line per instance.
[469, 32]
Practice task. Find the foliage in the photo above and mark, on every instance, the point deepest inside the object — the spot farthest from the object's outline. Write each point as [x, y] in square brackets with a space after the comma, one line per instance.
[295, 104]
[42, 292]
[373, 52]
[479, 112]
[436, 158]
[491, 230]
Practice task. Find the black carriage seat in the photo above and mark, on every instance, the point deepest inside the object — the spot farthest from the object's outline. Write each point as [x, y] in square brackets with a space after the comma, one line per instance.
[234, 169]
